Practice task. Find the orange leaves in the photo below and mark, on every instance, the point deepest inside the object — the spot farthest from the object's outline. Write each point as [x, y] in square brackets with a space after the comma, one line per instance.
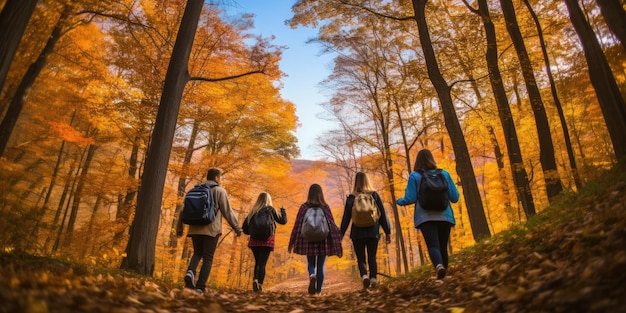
[70, 134]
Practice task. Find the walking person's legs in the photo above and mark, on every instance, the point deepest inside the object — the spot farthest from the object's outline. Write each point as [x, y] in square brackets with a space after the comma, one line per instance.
[209, 244]
[430, 232]
[359, 250]
[320, 272]
[372, 247]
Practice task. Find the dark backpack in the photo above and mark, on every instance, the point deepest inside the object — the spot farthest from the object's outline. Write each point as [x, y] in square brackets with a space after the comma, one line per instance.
[261, 225]
[198, 207]
[433, 192]
[314, 225]
[364, 210]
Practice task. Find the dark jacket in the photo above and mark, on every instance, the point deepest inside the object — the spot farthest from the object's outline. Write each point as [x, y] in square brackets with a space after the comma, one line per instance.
[365, 232]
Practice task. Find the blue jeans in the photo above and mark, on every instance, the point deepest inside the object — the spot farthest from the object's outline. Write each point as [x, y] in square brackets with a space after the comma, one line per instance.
[316, 262]
[203, 248]
[370, 245]
[437, 234]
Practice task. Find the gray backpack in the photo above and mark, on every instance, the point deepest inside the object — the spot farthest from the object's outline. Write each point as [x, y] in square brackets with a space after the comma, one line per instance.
[314, 225]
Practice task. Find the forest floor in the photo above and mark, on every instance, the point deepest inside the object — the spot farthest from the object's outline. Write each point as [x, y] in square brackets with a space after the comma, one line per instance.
[570, 257]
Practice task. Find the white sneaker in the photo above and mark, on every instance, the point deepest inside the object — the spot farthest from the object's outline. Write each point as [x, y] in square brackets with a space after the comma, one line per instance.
[189, 280]
[441, 271]
[366, 281]
[373, 283]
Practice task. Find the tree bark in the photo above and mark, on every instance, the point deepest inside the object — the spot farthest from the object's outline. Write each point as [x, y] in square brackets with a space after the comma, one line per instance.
[615, 17]
[546, 147]
[557, 101]
[602, 79]
[17, 102]
[480, 228]
[13, 21]
[140, 251]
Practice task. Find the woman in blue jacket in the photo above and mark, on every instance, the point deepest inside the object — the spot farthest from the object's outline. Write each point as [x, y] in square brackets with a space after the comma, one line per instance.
[434, 225]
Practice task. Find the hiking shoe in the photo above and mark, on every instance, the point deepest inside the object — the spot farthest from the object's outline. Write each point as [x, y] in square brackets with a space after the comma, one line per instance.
[189, 280]
[441, 271]
[366, 281]
[373, 283]
[256, 286]
[200, 291]
[312, 284]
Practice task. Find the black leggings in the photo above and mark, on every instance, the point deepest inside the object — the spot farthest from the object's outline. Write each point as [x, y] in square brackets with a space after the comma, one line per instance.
[361, 246]
[261, 255]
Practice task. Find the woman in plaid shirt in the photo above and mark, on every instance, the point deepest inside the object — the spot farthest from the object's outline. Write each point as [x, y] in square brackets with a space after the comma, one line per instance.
[316, 252]
[262, 248]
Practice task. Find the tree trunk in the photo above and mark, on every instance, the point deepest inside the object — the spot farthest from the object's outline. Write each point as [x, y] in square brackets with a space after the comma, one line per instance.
[464, 168]
[78, 193]
[13, 21]
[615, 17]
[520, 177]
[546, 147]
[140, 251]
[182, 181]
[557, 101]
[602, 79]
[17, 102]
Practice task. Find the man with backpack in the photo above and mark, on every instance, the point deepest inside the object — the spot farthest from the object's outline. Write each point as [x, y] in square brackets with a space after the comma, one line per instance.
[428, 187]
[206, 236]
[364, 209]
[260, 224]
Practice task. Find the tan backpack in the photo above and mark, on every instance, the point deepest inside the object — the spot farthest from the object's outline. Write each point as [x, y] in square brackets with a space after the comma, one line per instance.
[364, 210]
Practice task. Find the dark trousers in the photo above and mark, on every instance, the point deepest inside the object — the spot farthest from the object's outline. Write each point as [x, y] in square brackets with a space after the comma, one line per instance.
[361, 247]
[437, 234]
[261, 255]
[203, 249]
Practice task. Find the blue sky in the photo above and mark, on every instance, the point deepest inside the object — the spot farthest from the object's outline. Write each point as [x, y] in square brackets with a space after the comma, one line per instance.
[303, 63]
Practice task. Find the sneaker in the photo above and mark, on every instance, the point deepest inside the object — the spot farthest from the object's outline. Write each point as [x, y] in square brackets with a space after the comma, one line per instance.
[256, 286]
[312, 284]
[189, 280]
[441, 271]
[373, 283]
[366, 281]
[200, 291]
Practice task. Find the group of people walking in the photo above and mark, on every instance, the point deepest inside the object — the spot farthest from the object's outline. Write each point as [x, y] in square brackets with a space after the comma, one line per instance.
[435, 227]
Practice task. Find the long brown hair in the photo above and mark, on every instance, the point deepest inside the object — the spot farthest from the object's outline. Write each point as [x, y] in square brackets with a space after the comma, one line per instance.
[362, 183]
[424, 161]
[315, 197]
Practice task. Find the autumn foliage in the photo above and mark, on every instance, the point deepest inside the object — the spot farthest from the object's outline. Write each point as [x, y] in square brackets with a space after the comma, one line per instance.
[84, 88]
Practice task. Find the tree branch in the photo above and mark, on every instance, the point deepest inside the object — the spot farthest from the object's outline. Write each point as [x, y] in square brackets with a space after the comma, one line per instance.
[205, 79]
[406, 18]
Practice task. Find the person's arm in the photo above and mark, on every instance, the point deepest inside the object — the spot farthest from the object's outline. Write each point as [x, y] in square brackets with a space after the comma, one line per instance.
[453, 191]
[280, 218]
[382, 220]
[347, 215]
[410, 193]
[296, 227]
[179, 224]
[227, 211]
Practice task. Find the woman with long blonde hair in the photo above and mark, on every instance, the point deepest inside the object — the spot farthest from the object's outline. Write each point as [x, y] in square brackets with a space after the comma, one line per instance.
[365, 238]
[262, 245]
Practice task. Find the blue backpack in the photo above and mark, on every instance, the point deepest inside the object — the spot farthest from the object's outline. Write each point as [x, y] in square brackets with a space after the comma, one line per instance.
[198, 207]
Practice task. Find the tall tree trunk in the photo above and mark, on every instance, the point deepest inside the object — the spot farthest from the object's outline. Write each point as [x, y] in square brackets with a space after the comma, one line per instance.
[17, 102]
[464, 168]
[520, 177]
[602, 79]
[182, 181]
[140, 251]
[557, 101]
[546, 147]
[14, 18]
[78, 193]
[122, 216]
[615, 17]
